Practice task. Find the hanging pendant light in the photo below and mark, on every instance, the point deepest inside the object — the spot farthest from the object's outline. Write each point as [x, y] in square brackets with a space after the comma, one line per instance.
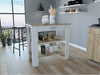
[40, 7]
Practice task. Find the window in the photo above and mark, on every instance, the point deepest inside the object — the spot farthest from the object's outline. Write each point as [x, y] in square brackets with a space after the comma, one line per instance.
[19, 20]
[18, 6]
[12, 13]
[5, 6]
[6, 20]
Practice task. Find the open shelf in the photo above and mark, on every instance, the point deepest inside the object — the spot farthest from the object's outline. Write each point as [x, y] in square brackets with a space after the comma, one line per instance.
[72, 12]
[96, 1]
[60, 39]
[60, 50]
[76, 5]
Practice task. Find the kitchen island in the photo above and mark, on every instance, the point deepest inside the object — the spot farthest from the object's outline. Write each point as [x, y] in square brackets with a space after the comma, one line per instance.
[32, 38]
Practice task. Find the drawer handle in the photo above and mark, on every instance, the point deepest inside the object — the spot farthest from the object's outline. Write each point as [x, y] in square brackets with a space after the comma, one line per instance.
[53, 27]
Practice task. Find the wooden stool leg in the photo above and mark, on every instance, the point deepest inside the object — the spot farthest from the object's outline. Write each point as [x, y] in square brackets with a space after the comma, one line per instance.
[14, 40]
[22, 38]
[19, 41]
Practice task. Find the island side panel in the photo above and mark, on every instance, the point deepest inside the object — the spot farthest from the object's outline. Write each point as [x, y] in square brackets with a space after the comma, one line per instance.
[28, 27]
[67, 39]
[34, 46]
[28, 41]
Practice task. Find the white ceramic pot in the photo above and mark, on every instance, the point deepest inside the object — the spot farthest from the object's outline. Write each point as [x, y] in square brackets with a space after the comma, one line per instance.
[52, 19]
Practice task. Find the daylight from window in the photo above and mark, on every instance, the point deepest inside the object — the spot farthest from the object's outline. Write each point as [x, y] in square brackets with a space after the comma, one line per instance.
[6, 13]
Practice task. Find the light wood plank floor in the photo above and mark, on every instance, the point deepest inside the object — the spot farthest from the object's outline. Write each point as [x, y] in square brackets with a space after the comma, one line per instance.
[50, 64]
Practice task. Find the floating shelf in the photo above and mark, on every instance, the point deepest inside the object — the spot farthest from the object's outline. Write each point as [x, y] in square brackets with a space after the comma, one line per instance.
[76, 5]
[52, 41]
[72, 12]
[96, 1]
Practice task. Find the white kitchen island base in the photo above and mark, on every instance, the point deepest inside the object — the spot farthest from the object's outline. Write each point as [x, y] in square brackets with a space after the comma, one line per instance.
[32, 38]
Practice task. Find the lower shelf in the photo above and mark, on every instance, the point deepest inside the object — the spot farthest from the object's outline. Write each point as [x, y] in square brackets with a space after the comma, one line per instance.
[52, 41]
[60, 51]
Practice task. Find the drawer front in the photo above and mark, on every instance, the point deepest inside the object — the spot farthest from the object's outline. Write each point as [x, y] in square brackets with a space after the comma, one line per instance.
[93, 30]
[62, 27]
[48, 28]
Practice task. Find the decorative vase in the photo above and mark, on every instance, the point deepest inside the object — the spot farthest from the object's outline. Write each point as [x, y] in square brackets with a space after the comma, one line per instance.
[52, 12]
[52, 19]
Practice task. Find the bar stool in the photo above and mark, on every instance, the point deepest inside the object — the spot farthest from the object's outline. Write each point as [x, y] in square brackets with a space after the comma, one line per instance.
[20, 39]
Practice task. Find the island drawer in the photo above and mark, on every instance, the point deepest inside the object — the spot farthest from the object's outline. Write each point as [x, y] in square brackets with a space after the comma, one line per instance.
[46, 28]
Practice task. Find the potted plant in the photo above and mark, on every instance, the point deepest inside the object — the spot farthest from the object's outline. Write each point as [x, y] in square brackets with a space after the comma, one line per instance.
[9, 33]
[3, 37]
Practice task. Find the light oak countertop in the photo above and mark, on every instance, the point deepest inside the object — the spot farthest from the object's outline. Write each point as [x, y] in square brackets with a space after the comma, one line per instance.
[40, 24]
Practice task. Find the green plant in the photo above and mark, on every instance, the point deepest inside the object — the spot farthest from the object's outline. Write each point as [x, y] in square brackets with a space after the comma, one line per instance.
[3, 36]
[9, 33]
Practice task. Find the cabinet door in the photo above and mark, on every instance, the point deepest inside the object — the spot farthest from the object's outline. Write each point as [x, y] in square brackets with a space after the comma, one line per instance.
[97, 48]
[90, 46]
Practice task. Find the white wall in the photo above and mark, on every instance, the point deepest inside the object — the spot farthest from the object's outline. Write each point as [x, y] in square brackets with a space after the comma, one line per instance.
[32, 15]
[80, 22]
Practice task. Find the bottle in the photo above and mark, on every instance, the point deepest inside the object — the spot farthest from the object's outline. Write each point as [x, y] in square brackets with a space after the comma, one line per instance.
[76, 10]
[73, 9]
[40, 37]
[49, 37]
[70, 10]
[43, 50]
[52, 36]
[46, 37]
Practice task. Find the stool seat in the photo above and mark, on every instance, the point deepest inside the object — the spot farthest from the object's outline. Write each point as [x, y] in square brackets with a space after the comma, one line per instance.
[19, 27]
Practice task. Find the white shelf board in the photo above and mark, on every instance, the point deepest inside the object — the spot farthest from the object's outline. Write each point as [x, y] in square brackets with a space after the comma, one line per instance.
[94, 3]
[97, 1]
[72, 12]
[76, 5]
[51, 41]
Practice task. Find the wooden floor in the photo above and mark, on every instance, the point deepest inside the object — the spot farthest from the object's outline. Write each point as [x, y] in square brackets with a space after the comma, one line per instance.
[51, 64]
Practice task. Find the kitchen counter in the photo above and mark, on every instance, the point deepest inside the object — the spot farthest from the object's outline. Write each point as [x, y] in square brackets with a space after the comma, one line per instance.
[40, 24]
[93, 27]
[32, 38]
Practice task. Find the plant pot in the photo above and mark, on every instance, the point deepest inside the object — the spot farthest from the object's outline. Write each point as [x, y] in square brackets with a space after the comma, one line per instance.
[9, 41]
[3, 43]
